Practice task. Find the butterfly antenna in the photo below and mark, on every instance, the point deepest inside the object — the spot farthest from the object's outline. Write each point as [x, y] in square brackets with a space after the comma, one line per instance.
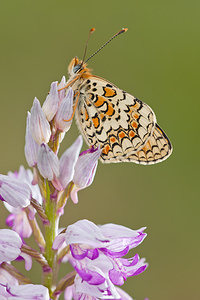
[118, 33]
[91, 31]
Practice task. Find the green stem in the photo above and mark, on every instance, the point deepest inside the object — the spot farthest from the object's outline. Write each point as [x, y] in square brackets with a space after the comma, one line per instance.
[50, 233]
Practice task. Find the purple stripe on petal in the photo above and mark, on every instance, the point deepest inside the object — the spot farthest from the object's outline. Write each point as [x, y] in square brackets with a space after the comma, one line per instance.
[73, 250]
[10, 220]
[140, 270]
[116, 277]
[131, 261]
[115, 254]
[83, 274]
[95, 254]
[91, 277]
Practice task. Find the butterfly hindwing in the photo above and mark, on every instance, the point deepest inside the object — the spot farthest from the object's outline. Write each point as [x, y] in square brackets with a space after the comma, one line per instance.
[156, 149]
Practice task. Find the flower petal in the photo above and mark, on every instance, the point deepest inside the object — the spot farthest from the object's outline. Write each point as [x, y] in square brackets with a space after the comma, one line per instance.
[84, 171]
[68, 161]
[14, 192]
[48, 163]
[85, 168]
[28, 261]
[85, 232]
[61, 91]
[26, 176]
[121, 237]
[59, 240]
[65, 111]
[31, 147]
[50, 105]
[124, 268]
[10, 244]
[40, 127]
[106, 290]
[28, 291]
[18, 221]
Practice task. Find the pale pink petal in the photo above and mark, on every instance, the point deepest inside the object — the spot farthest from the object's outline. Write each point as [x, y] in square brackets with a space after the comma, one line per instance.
[10, 245]
[58, 242]
[65, 111]
[14, 192]
[85, 168]
[84, 171]
[61, 94]
[68, 161]
[105, 290]
[40, 127]
[26, 176]
[28, 261]
[31, 146]
[50, 105]
[122, 236]
[7, 278]
[18, 221]
[68, 295]
[85, 232]
[48, 163]
[28, 292]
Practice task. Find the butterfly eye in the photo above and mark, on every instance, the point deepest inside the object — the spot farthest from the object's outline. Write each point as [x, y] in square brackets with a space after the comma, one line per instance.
[77, 68]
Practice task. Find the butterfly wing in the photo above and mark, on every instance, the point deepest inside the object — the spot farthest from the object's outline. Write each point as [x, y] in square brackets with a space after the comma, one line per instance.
[117, 121]
[156, 149]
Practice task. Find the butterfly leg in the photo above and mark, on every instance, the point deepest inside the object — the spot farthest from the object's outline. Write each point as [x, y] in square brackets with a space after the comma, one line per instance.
[70, 83]
[77, 95]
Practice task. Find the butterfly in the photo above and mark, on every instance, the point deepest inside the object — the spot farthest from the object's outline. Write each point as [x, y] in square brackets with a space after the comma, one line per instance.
[123, 126]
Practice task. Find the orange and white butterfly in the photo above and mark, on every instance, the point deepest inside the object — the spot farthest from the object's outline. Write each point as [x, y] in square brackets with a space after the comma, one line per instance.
[125, 127]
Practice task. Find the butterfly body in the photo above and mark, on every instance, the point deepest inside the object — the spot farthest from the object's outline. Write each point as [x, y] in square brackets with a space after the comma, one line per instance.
[123, 126]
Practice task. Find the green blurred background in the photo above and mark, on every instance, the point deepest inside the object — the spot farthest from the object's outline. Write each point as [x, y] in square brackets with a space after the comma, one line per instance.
[157, 60]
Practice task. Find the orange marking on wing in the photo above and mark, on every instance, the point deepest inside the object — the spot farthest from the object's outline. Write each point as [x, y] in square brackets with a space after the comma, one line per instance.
[146, 147]
[136, 106]
[95, 122]
[100, 101]
[134, 125]
[113, 139]
[106, 149]
[131, 133]
[159, 130]
[109, 92]
[136, 116]
[102, 116]
[110, 110]
[86, 115]
[88, 102]
[121, 134]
